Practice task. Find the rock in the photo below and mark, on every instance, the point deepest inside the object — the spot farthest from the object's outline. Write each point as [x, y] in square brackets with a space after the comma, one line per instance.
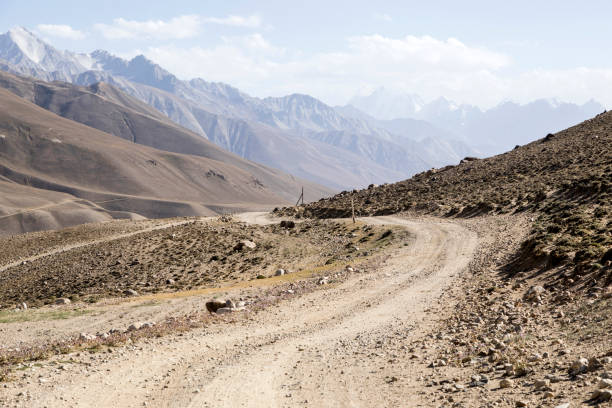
[542, 385]
[601, 395]
[130, 292]
[564, 405]
[170, 281]
[287, 224]
[279, 272]
[594, 364]
[579, 366]
[103, 336]
[534, 292]
[549, 394]
[605, 383]
[214, 305]
[224, 310]
[520, 403]
[24, 306]
[230, 303]
[535, 357]
[62, 301]
[323, 281]
[240, 304]
[86, 336]
[134, 326]
[506, 383]
[147, 325]
[245, 245]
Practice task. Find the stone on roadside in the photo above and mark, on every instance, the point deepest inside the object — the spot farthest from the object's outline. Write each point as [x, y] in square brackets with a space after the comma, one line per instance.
[506, 383]
[279, 272]
[130, 292]
[605, 383]
[579, 366]
[86, 336]
[134, 326]
[230, 303]
[62, 301]
[542, 385]
[534, 293]
[520, 403]
[602, 395]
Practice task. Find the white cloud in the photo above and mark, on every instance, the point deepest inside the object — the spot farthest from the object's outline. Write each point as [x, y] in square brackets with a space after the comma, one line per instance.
[423, 65]
[253, 21]
[176, 28]
[61, 31]
[180, 27]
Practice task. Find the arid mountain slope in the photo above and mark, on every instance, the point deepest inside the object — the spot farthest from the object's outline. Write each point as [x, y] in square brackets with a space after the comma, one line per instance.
[564, 179]
[42, 150]
[108, 109]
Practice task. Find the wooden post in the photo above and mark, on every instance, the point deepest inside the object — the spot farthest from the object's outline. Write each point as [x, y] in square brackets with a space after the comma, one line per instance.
[301, 197]
[353, 209]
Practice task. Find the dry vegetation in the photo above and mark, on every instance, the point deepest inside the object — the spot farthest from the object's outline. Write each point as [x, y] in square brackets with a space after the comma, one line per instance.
[190, 256]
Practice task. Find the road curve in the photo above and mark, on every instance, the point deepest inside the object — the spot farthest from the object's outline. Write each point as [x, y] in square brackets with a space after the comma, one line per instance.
[339, 346]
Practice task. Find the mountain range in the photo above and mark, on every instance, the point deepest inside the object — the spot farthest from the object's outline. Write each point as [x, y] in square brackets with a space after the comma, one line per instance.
[297, 133]
[491, 131]
[72, 154]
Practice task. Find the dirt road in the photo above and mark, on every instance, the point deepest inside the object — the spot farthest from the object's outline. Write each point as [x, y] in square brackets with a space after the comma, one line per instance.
[343, 345]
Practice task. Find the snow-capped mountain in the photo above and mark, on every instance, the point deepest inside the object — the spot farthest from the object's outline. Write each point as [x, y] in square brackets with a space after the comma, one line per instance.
[29, 55]
[279, 132]
[490, 131]
[385, 104]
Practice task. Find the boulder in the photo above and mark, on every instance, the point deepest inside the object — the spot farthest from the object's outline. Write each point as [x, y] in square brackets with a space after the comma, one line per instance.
[288, 224]
[579, 366]
[214, 305]
[601, 395]
[134, 326]
[279, 272]
[534, 292]
[245, 245]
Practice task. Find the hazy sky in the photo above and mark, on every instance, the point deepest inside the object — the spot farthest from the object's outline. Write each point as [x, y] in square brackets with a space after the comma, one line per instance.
[480, 52]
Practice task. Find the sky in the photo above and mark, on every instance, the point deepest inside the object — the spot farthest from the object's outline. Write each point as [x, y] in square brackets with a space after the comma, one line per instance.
[476, 52]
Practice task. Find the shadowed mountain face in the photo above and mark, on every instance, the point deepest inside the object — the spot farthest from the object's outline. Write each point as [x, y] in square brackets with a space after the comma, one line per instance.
[297, 133]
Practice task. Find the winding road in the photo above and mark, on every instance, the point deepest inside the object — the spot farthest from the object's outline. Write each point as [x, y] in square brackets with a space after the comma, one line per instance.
[343, 345]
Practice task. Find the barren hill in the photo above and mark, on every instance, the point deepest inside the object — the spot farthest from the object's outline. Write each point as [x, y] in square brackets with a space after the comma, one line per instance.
[44, 151]
[110, 110]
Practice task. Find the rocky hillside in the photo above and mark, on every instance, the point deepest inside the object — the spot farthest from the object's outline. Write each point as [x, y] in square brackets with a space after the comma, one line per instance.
[564, 180]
